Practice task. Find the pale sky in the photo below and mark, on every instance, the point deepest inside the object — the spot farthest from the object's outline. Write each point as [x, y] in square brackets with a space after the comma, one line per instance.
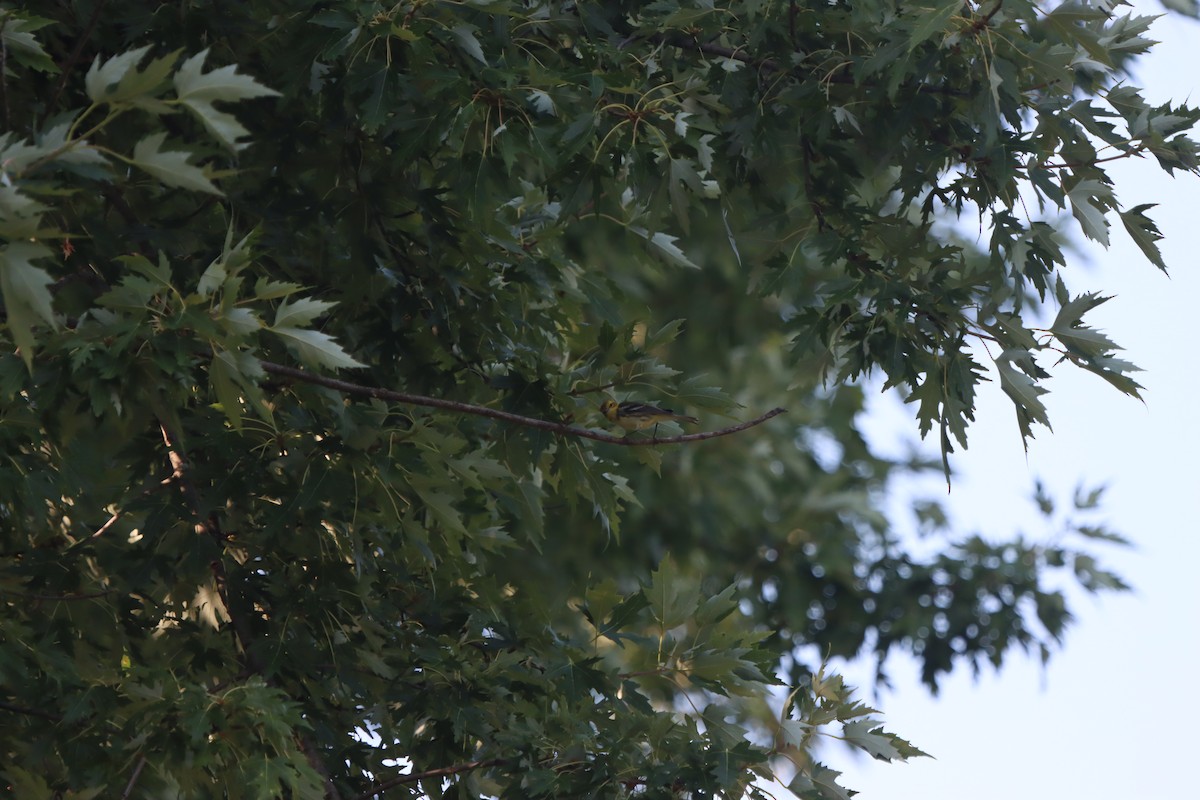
[1112, 716]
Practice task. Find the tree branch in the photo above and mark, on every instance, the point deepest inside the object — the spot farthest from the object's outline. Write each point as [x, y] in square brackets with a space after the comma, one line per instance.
[346, 387]
[116, 515]
[313, 754]
[983, 21]
[32, 712]
[207, 523]
[133, 778]
[1137, 151]
[57, 597]
[770, 65]
[440, 772]
[685, 43]
[4, 77]
[66, 69]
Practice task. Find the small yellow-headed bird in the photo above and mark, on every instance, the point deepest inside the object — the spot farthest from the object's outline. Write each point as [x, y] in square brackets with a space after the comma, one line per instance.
[638, 416]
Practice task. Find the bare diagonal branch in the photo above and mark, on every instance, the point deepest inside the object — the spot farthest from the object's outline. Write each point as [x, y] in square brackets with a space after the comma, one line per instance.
[346, 387]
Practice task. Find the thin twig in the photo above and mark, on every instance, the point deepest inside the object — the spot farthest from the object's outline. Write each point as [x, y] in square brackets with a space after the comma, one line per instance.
[179, 469]
[103, 529]
[770, 65]
[346, 387]
[642, 673]
[983, 21]
[684, 43]
[440, 772]
[167, 481]
[57, 597]
[206, 524]
[32, 712]
[66, 69]
[316, 762]
[133, 778]
[4, 75]
[1137, 151]
[243, 635]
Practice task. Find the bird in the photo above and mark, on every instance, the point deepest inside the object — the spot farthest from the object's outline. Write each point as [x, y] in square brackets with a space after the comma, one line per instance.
[638, 416]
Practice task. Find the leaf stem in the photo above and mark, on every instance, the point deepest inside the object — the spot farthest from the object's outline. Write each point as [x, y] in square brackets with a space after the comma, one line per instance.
[72, 139]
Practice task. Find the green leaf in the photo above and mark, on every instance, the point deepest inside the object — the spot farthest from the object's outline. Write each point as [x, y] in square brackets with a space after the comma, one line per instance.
[233, 259]
[542, 102]
[26, 294]
[696, 392]
[440, 503]
[212, 279]
[1189, 8]
[1102, 534]
[717, 607]
[118, 80]
[76, 153]
[1076, 337]
[529, 504]
[1144, 232]
[27, 784]
[301, 312]
[266, 289]
[465, 36]
[221, 377]
[422, 570]
[664, 246]
[818, 782]
[795, 732]
[1089, 198]
[932, 21]
[716, 666]
[1115, 371]
[20, 214]
[198, 90]
[372, 661]
[664, 335]
[226, 373]
[1084, 341]
[240, 321]
[607, 610]
[652, 456]
[673, 597]
[866, 734]
[315, 349]
[1010, 330]
[171, 166]
[89, 793]
[1023, 390]
[16, 34]
[105, 75]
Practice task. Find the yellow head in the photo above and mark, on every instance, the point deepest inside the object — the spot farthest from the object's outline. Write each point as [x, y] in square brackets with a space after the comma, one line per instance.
[609, 409]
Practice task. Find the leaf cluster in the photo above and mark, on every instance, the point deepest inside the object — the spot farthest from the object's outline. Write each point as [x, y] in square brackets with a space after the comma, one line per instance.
[216, 580]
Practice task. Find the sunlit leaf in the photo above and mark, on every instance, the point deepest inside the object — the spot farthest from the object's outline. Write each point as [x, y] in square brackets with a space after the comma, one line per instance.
[198, 90]
[315, 348]
[172, 167]
[26, 294]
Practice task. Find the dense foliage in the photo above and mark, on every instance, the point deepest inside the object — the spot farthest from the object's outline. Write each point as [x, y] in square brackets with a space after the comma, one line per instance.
[226, 570]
